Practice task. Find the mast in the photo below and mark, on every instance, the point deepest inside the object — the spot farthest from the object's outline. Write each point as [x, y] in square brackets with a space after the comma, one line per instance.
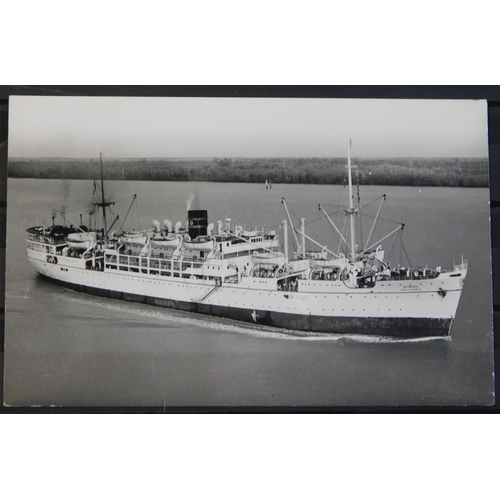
[351, 203]
[303, 233]
[291, 224]
[103, 203]
[285, 238]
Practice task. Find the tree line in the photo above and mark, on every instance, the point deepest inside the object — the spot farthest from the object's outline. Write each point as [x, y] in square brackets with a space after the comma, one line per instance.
[463, 172]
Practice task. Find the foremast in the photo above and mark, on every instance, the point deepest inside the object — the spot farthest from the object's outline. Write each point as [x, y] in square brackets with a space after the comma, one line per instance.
[103, 204]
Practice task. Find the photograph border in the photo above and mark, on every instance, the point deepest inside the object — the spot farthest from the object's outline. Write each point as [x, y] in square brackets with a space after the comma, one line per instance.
[491, 94]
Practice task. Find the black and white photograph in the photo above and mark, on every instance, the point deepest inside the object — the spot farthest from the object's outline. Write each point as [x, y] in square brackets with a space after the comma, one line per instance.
[175, 252]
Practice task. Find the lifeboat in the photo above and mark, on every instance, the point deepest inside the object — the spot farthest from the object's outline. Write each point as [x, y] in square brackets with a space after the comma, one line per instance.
[333, 263]
[82, 241]
[137, 237]
[199, 244]
[274, 258]
[168, 242]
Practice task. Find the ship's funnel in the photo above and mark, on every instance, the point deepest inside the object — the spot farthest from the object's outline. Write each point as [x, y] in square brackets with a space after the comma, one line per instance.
[156, 225]
[177, 227]
[168, 225]
[197, 223]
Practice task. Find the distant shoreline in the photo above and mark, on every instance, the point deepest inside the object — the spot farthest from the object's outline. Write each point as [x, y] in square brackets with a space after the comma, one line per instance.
[452, 172]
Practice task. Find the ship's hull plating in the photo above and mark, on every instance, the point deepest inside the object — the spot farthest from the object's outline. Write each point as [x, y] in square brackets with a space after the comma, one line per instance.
[383, 325]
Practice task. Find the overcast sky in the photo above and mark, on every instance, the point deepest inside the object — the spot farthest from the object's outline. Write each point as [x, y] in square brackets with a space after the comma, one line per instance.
[196, 127]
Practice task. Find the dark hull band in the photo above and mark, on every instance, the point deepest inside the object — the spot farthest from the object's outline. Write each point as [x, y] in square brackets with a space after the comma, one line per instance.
[390, 327]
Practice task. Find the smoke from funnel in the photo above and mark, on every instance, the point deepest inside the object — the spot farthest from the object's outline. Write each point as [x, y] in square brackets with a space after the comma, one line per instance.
[193, 202]
[58, 210]
[188, 203]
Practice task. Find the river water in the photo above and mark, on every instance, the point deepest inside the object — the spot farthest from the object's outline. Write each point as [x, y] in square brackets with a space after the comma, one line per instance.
[66, 348]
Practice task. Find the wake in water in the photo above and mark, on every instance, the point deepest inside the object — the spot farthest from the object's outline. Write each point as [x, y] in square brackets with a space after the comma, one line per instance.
[22, 293]
[225, 325]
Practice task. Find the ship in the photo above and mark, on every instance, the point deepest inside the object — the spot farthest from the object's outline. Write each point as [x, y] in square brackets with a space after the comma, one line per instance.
[250, 275]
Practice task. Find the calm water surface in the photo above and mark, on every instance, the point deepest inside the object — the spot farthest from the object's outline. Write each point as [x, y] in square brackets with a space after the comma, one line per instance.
[67, 348]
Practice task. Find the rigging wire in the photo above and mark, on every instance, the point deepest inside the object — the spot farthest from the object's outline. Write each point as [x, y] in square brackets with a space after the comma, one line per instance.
[265, 207]
[361, 207]
[393, 248]
[128, 211]
[137, 209]
[357, 184]
[360, 224]
[294, 214]
[275, 218]
[381, 219]
[71, 210]
[340, 239]
[257, 205]
[406, 253]
[364, 215]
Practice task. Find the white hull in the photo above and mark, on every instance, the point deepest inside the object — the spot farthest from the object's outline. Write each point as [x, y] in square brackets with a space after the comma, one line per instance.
[417, 299]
